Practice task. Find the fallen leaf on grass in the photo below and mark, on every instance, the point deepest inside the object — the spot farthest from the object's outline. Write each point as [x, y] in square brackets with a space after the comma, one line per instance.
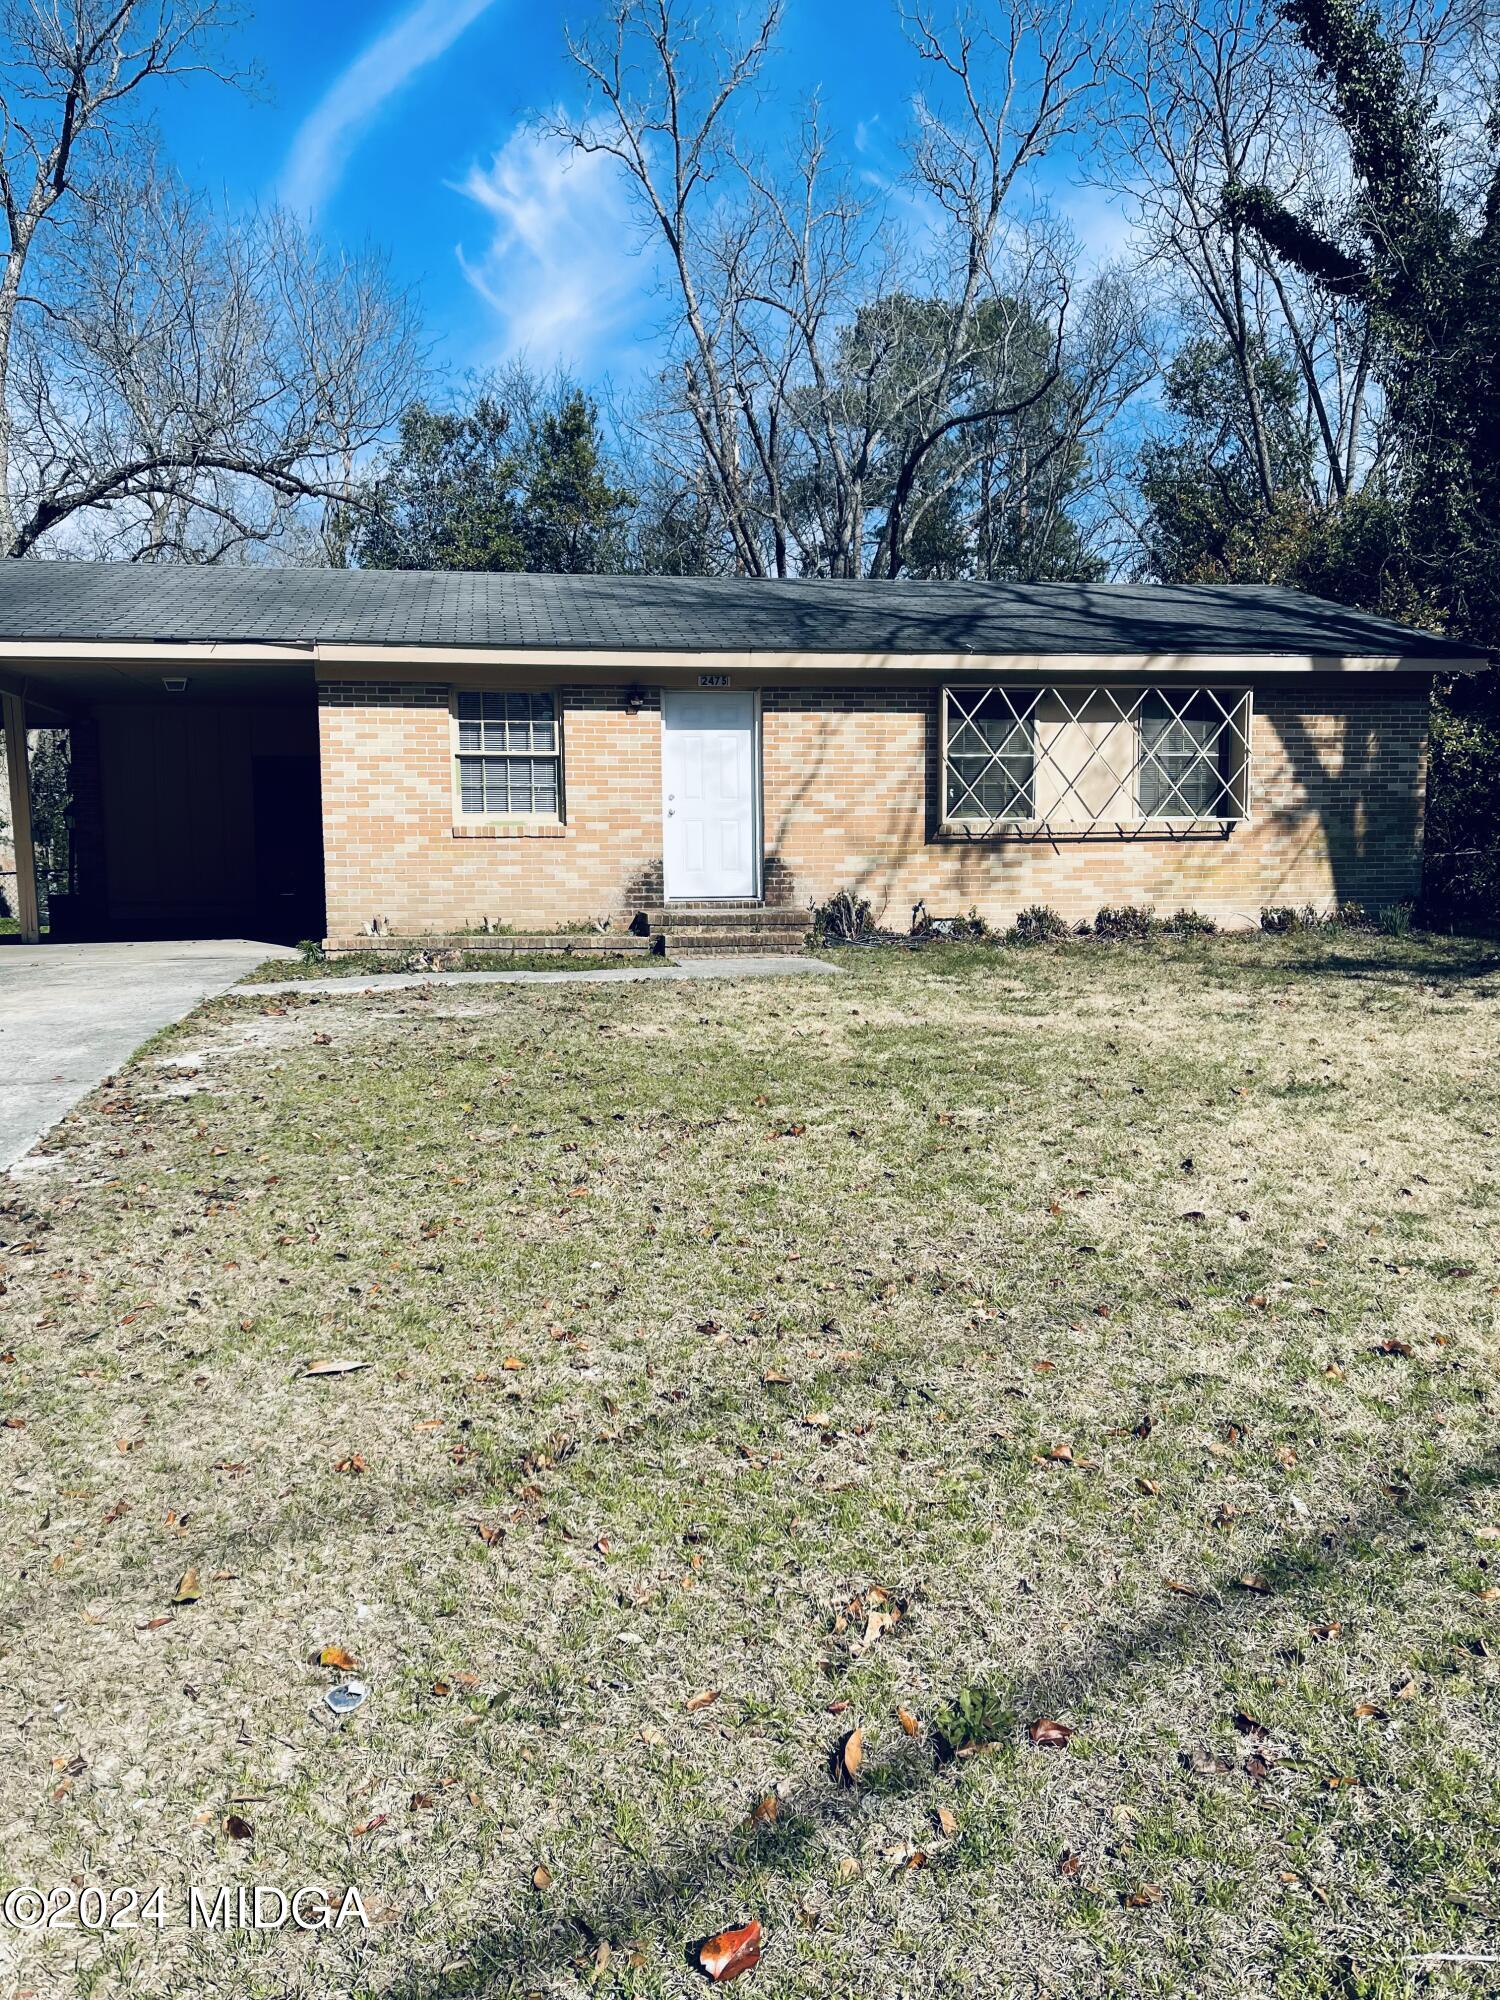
[1391, 1347]
[1145, 1898]
[1257, 1585]
[355, 1463]
[1370, 1711]
[881, 1618]
[908, 1721]
[727, 1954]
[947, 1821]
[155, 1624]
[541, 1876]
[334, 1367]
[1182, 1589]
[704, 1698]
[1049, 1735]
[368, 1826]
[764, 1811]
[1068, 1863]
[237, 1828]
[849, 1756]
[188, 1590]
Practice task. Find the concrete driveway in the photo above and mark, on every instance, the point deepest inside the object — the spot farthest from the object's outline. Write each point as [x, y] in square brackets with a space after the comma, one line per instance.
[71, 1013]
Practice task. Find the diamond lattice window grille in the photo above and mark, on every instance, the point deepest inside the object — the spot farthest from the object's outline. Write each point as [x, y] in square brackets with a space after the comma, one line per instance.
[1076, 757]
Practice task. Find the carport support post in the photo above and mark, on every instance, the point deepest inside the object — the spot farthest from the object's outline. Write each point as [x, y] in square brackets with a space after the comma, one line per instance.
[18, 765]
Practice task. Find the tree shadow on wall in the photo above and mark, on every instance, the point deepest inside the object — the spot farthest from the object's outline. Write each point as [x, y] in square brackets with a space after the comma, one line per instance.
[1361, 813]
[907, 830]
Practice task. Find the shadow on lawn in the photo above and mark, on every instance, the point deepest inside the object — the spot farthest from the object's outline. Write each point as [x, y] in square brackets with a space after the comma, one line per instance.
[1380, 966]
[1307, 1573]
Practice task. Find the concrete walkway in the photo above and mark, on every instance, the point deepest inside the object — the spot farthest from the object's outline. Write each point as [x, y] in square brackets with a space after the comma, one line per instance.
[743, 966]
[70, 1014]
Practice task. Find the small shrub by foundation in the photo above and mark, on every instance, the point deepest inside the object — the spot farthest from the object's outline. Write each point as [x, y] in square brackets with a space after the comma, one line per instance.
[1129, 923]
[843, 919]
[1038, 924]
[1190, 923]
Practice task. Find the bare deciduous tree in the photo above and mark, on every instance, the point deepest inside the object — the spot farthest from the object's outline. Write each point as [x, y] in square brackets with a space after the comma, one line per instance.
[823, 364]
[1208, 99]
[171, 383]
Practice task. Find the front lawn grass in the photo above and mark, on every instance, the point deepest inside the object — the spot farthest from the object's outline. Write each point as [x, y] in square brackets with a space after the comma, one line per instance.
[361, 964]
[1105, 1336]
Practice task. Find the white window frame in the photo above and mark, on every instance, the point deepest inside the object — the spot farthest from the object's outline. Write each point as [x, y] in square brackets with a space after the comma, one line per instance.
[463, 818]
[1120, 710]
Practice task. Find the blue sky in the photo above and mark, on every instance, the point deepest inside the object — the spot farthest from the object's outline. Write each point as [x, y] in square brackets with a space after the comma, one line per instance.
[407, 125]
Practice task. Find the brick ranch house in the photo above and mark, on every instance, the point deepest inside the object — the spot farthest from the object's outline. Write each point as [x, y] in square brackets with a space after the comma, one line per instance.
[313, 752]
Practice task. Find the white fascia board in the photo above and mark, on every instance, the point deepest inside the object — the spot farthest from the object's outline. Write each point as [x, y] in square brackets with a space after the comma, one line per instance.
[361, 662]
[364, 662]
[151, 652]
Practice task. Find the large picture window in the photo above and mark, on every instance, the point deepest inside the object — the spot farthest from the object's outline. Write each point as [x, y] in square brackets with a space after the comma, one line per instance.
[508, 755]
[1084, 757]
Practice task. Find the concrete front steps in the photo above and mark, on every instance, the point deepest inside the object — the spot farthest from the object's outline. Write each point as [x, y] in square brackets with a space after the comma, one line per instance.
[701, 930]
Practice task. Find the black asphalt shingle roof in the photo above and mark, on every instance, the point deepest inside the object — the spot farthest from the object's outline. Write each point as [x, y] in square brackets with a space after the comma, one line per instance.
[137, 601]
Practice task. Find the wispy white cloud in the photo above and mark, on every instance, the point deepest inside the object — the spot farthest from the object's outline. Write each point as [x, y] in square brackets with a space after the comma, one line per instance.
[562, 271]
[1104, 224]
[330, 132]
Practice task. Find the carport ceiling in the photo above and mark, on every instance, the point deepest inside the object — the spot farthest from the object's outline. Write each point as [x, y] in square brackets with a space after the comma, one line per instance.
[137, 675]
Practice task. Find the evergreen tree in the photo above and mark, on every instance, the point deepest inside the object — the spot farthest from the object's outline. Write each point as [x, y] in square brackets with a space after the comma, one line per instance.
[518, 481]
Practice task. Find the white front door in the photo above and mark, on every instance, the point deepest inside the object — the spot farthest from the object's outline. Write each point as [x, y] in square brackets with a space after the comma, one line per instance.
[708, 794]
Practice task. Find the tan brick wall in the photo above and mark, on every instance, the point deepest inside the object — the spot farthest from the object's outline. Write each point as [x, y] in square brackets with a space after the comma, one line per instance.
[390, 843]
[1338, 780]
[850, 783]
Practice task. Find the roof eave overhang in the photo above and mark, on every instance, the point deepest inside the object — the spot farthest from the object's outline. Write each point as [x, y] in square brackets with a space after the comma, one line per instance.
[369, 661]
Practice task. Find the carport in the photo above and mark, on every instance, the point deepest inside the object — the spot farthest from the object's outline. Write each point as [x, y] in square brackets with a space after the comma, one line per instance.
[195, 808]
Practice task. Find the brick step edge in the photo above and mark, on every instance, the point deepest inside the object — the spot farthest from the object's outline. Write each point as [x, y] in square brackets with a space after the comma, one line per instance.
[681, 945]
[568, 944]
[747, 916]
[698, 926]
